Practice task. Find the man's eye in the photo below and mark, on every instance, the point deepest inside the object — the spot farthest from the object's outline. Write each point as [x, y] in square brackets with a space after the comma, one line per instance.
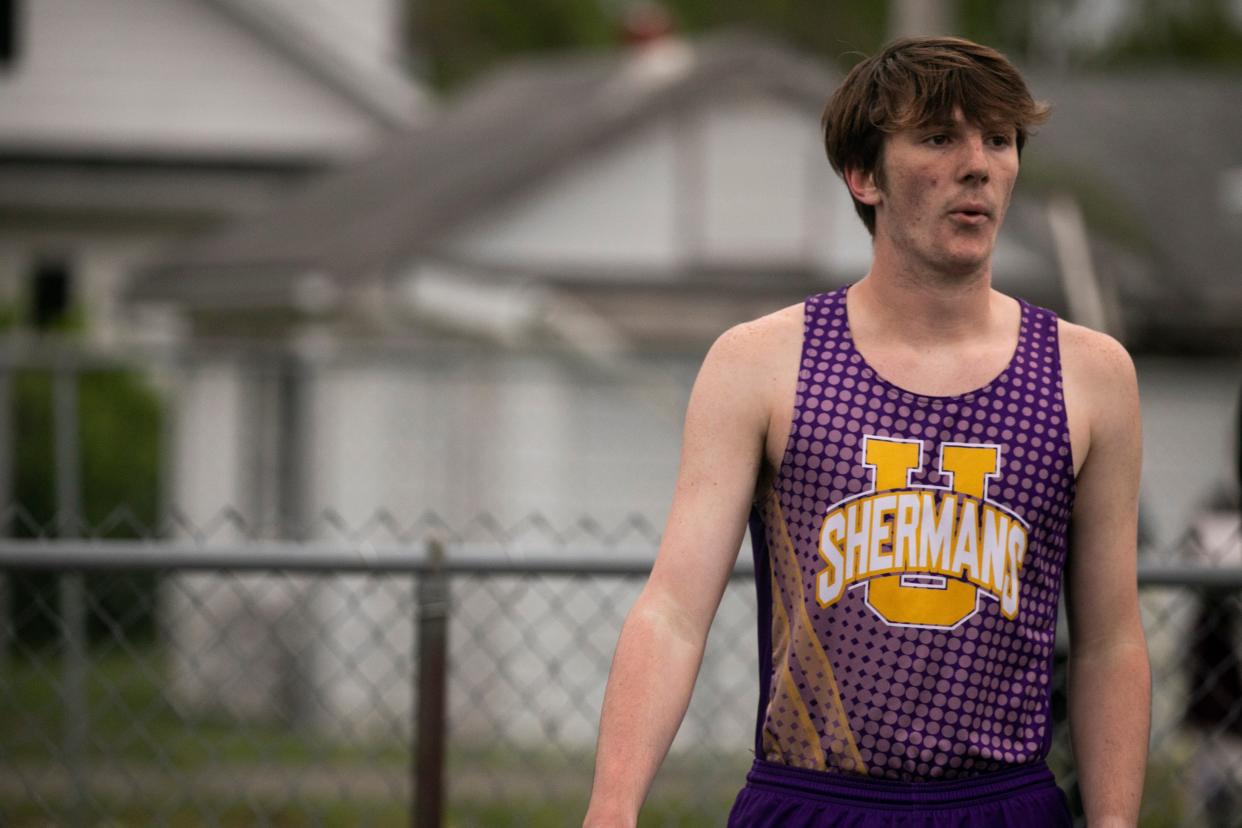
[938, 140]
[1001, 140]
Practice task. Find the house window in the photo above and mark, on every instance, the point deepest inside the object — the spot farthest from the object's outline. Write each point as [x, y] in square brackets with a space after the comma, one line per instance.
[50, 292]
[8, 33]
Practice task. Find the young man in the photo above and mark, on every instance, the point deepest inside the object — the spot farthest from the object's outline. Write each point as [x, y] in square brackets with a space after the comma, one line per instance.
[910, 451]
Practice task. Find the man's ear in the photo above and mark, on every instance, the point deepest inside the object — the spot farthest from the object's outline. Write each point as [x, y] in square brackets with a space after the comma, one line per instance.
[862, 186]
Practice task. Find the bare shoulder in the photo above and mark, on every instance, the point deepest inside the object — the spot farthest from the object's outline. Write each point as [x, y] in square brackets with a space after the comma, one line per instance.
[760, 347]
[1099, 376]
[767, 331]
[1094, 356]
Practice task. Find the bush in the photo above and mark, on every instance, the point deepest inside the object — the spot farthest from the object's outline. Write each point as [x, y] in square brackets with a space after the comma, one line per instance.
[119, 426]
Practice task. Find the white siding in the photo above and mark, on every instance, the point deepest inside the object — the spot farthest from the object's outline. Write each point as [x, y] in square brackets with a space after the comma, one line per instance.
[368, 31]
[1189, 411]
[164, 75]
[208, 444]
[738, 181]
[615, 208]
[503, 434]
[767, 193]
[507, 436]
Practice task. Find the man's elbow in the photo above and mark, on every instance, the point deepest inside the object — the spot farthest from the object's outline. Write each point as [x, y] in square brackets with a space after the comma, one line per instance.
[658, 615]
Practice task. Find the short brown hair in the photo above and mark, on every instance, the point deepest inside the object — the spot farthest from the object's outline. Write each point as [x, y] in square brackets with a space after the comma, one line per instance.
[915, 81]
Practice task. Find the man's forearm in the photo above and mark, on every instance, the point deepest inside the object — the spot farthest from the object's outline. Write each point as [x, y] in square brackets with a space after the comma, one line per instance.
[1110, 720]
[648, 691]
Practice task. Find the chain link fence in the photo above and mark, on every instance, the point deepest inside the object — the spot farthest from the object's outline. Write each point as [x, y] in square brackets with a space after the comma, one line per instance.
[439, 678]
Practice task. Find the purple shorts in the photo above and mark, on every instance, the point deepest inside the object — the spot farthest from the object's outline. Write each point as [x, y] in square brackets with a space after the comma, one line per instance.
[786, 797]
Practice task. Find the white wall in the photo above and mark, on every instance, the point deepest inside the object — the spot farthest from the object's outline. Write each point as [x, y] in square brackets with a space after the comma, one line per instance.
[501, 433]
[1189, 411]
[614, 209]
[369, 31]
[768, 193]
[138, 76]
[503, 437]
[734, 182]
[742, 180]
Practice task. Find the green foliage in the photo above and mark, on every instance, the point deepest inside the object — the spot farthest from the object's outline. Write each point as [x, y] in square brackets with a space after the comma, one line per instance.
[1003, 24]
[842, 32]
[9, 316]
[458, 40]
[461, 39]
[1200, 32]
[119, 428]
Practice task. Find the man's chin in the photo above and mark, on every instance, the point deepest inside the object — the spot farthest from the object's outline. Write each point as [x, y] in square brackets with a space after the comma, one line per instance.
[966, 261]
[963, 267]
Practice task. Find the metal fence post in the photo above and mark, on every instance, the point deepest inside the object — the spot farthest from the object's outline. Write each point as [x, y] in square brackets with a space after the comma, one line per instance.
[72, 585]
[6, 504]
[430, 706]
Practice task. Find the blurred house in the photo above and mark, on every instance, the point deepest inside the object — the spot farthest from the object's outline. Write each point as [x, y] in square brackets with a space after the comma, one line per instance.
[573, 222]
[127, 124]
[504, 312]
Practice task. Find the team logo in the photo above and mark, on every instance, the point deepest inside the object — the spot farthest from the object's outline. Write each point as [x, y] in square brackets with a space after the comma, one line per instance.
[925, 555]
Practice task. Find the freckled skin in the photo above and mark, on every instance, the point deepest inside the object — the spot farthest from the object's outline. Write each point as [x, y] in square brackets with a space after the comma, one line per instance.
[927, 173]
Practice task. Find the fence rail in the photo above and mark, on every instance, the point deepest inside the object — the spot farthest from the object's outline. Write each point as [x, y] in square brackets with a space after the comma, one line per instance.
[473, 558]
[430, 683]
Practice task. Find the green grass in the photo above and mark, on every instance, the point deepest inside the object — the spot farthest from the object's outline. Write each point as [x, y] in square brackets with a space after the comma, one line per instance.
[130, 719]
[527, 813]
[126, 813]
[136, 731]
[488, 785]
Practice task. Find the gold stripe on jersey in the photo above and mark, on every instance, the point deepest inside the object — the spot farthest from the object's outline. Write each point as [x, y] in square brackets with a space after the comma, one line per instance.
[789, 735]
[842, 751]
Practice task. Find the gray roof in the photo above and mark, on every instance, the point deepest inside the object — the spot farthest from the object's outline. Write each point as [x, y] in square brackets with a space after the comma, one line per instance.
[383, 91]
[1146, 152]
[508, 131]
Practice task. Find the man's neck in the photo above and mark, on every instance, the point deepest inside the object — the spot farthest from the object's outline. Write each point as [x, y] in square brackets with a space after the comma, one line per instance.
[925, 307]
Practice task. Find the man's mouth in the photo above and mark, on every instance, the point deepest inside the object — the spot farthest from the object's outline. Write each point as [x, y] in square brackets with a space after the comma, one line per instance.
[971, 215]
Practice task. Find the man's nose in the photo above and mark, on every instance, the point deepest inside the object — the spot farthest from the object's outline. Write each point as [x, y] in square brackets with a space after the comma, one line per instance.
[975, 164]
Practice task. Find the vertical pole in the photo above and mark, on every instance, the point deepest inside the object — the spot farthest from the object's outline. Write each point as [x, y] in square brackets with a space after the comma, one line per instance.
[72, 587]
[6, 503]
[292, 446]
[290, 466]
[429, 746]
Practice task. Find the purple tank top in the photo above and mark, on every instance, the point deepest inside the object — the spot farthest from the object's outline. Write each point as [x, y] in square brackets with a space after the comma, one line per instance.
[908, 561]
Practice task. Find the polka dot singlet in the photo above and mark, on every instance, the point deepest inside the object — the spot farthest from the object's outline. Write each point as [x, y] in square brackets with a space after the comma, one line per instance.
[908, 561]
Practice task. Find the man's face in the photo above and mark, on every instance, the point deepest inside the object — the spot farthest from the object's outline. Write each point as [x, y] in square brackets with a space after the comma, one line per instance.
[943, 192]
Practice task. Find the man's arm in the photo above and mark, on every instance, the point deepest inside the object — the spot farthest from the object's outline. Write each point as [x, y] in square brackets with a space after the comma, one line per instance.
[661, 645]
[1109, 674]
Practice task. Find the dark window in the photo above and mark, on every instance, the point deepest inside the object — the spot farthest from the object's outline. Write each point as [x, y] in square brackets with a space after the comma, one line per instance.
[8, 33]
[50, 292]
